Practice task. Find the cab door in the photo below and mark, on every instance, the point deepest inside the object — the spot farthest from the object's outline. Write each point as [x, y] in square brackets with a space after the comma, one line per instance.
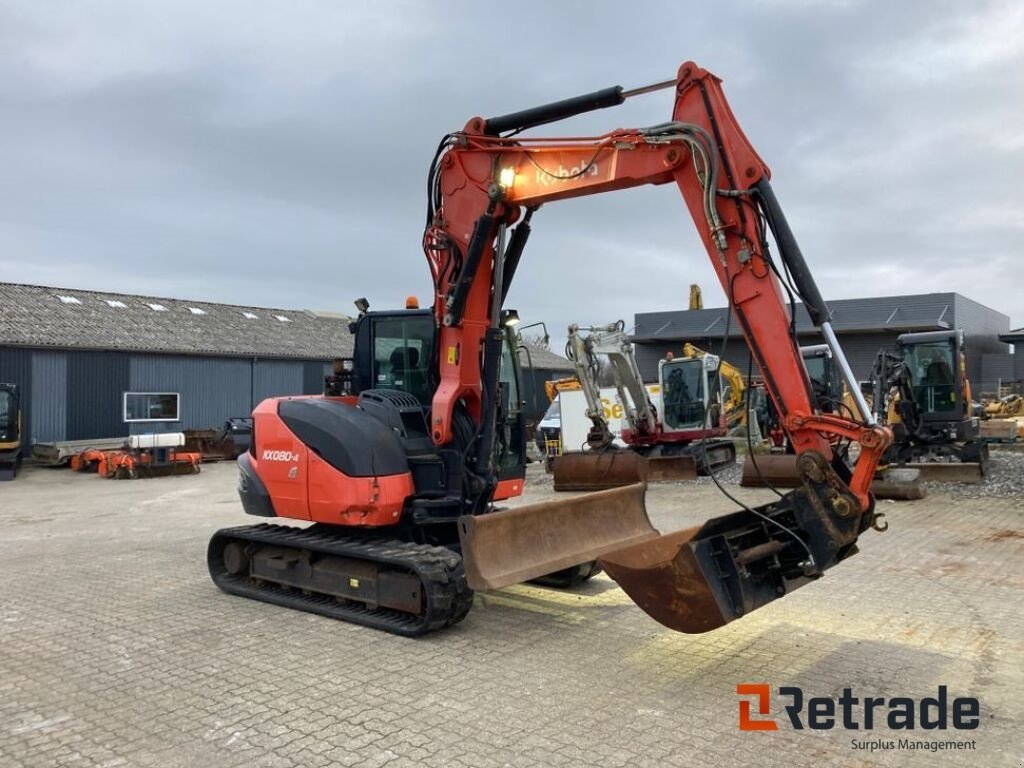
[510, 442]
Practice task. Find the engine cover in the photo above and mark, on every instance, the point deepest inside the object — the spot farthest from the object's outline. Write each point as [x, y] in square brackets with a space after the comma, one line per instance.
[324, 460]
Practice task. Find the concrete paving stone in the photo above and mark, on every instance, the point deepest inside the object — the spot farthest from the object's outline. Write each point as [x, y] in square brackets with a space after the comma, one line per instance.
[115, 648]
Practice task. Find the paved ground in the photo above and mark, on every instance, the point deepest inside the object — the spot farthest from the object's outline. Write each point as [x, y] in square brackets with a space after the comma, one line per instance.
[115, 649]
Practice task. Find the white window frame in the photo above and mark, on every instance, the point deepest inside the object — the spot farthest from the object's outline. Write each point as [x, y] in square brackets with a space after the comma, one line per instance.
[124, 407]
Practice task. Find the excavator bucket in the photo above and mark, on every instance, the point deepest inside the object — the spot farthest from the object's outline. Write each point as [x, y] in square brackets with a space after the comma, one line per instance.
[515, 545]
[614, 469]
[664, 577]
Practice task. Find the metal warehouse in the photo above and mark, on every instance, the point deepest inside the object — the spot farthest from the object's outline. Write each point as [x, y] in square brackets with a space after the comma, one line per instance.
[863, 325]
[538, 366]
[95, 365]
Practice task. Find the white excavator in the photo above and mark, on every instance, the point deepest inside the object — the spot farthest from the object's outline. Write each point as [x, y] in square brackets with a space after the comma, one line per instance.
[673, 438]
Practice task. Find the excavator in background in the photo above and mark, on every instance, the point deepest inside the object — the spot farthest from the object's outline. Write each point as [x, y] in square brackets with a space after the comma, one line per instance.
[1007, 407]
[400, 476]
[733, 395]
[553, 387]
[672, 441]
[10, 431]
[696, 297]
[922, 392]
[831, 395]
[1003, 419]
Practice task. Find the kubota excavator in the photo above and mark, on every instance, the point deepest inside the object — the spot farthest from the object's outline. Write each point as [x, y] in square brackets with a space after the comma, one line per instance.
[401, 487]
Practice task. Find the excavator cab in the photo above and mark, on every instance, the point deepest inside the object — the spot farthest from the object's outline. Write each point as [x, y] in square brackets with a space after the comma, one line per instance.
[396, 350]
[934, 362]
[688, 393]
[933, 412]
[10, 431]
[824, 375]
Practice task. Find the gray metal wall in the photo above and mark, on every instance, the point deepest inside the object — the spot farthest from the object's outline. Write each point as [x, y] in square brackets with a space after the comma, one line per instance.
[78, 395]
[277, 377]
[49, 398]
[982, 326]
[96, 382]
[211, 389]
[997, 370]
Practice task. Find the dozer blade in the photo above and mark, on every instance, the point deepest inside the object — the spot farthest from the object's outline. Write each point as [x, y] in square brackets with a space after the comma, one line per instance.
[615, 469]
[515, 545]
[670, 469]
[950, 472]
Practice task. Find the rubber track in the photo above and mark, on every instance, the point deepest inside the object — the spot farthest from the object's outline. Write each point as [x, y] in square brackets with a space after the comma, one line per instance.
[712, 452]
[448, 597]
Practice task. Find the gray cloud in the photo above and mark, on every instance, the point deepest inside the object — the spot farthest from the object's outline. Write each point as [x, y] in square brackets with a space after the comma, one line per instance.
[276, 154]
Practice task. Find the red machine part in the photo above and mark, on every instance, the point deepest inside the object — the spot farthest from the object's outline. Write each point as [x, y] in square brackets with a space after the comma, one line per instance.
[545, 170]
[305, 487]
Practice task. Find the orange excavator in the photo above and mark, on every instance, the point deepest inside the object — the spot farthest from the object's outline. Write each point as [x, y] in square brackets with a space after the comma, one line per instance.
[400, 473]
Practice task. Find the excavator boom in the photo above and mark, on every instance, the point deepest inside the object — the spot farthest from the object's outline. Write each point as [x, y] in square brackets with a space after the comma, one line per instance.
[482, 184]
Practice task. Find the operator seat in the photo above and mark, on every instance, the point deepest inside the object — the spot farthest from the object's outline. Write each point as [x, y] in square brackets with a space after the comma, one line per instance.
[406, 373]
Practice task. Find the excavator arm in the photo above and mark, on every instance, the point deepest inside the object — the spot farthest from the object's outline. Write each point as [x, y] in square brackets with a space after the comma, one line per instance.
[484, 189]
[610, 342]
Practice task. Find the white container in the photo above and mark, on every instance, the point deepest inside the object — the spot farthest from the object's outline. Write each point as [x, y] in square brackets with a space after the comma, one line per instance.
[575, 424]
[157, 440]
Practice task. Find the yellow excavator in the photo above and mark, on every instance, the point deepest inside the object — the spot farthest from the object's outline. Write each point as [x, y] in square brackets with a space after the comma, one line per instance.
[568, 384]
[734, 394]
[10, 431]
[1008, 407]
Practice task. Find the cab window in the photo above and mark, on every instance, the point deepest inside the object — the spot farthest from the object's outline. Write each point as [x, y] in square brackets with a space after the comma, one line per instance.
[933, 375]
[507, 376]
[683, 393]
[402, 349]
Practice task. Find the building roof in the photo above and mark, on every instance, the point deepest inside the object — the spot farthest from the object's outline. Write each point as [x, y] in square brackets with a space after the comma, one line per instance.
[922, 312]
[543, 359]
[1015, 336]
[67, 318]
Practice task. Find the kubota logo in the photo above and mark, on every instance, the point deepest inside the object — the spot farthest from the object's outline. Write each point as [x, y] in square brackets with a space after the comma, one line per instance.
[280, 456]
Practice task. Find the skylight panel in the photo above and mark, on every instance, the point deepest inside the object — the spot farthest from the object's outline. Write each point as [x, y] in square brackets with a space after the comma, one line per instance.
[116, 304]
[197, 311]
[69, 300]
[282, 318]
[251, 316]
[157, 307]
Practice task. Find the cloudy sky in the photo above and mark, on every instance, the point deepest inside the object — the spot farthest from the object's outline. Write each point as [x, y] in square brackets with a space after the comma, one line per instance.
[274, 153]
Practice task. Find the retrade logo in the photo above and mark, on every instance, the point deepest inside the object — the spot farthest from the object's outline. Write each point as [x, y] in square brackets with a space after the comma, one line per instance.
[852, 712]
[763, 695]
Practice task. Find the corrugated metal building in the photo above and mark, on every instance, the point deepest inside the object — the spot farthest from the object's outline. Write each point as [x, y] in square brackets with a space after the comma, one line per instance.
[539, 365]
[1005, 369]
[84, 358]
[863, 326]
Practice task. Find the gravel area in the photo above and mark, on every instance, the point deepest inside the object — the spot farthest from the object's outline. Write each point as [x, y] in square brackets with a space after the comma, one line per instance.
[1005, 479]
